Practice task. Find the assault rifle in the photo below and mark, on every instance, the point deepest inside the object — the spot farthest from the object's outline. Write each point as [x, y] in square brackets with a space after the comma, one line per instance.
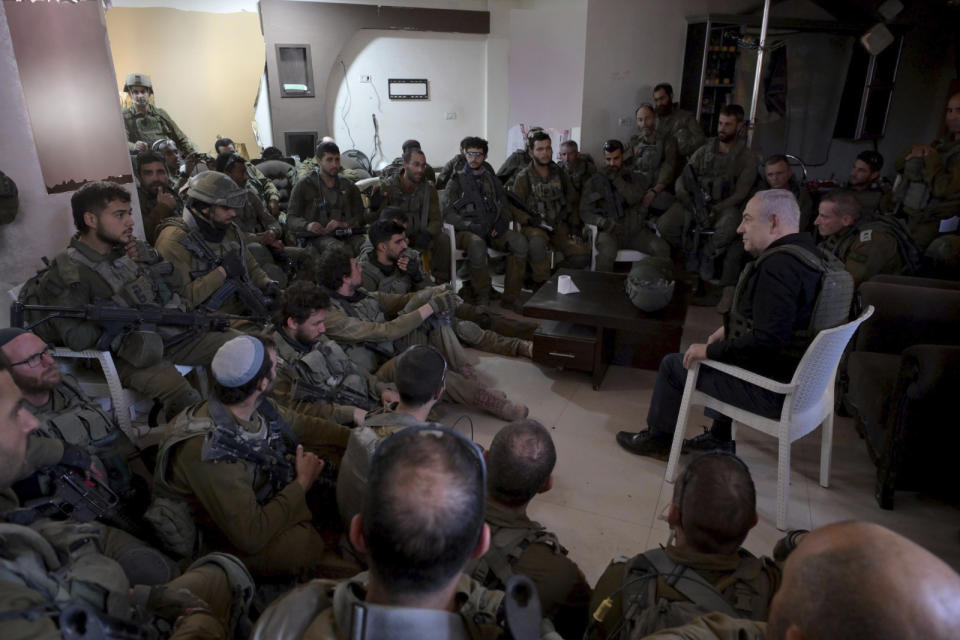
[116, 321]
[221, 443]
[341, 233]
[536, 219]
[696, 221]
[341, 394]
[256, 303]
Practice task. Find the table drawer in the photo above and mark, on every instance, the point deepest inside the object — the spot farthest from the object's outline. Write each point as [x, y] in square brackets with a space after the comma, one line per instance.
[563, 344]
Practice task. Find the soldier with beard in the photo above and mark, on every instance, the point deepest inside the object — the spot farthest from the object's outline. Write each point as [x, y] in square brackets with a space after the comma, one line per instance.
[579, 166]
[157, 200]
[653, 154]
[679, 123]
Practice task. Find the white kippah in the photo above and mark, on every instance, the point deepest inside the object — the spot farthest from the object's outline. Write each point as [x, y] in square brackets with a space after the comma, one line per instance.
[237, 361]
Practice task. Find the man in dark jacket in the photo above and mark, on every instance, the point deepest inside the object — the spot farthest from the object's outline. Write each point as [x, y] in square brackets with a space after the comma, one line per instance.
[777, 299]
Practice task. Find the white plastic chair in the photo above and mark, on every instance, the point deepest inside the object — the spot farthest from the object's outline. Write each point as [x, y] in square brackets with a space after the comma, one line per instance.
[457, 254]
[623, 255]
[807, 405]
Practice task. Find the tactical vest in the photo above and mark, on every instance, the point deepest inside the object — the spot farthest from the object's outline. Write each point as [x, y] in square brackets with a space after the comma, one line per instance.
[647, 157]
[546, 198]
[507, 545]
[154, 125]
[133, 283]
[366, 308]
[910, 255]
[830, 309]
[74, 419]
[325, 365]
[915, 192]
[717, 172]
[476, 203]
[416, 204]
[329, 204]
[170, 513]
[746, 593]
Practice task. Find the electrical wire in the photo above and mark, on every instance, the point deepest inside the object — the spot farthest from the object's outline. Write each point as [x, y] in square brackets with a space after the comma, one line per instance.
[347, 104]
[468, 419]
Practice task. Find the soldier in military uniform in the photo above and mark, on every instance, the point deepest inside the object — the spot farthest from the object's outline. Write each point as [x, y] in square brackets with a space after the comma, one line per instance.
[552, 211]
[518, 159]
[358, 320]
[612, 201]
[411, 190]
[421, 521]
[224, 470]
[929, 188]
[653, 155]
[454, 164]
[146, 123]
[395, 167]
[158, 201]
[725, 171]
[778, 175]
[263, 186]
[677, 122]
[60, 578]
[391, 267]
[214, 271]
[520, 462]
[105, 265]
[474, 203]
[167, 149]
[865, 183]
[325, 208]
[579, 166]
[262, 232]
[714, 507]
[867, 245]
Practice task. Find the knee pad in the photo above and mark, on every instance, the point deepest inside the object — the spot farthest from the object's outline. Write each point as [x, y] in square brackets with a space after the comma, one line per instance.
[146, 565]
[469, 332]
[242, 586]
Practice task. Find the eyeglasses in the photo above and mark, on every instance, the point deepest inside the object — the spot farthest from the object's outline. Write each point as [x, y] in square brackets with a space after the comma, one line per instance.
[475, 154]
[34, 361]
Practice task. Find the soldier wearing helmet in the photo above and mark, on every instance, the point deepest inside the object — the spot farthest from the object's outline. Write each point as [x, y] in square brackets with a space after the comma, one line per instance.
[214, 269]
[146, 123]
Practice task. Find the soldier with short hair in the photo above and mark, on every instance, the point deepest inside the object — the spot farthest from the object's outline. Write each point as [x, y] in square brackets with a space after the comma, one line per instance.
[105, 265]
[263, 186]
[579, 166]
[679, 123]
[551, 218]
[146, 123]
[612, 201]
[653, 154]
[396, 166]
[778, 174]
[518, 159]
[326, 209]
[865, 182]
[520, 464]
[157, 199]
[867, 245]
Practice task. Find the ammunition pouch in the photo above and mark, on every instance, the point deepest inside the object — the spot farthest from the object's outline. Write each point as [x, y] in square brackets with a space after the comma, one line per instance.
[142, 349]
[173, 522]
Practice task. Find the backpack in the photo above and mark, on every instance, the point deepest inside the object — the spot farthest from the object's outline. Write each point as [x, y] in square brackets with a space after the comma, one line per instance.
[507, 544]
[30, 295]
[748, 588]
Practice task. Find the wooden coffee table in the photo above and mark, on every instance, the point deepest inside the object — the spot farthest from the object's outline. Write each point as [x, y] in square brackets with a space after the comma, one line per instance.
[585, 326]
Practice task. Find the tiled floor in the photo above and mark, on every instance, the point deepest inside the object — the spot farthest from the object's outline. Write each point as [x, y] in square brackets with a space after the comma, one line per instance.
[606, 502]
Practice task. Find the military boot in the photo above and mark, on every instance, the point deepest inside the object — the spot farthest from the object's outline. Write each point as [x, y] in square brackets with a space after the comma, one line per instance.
[480, 280]
[496, 403]
[513, 284]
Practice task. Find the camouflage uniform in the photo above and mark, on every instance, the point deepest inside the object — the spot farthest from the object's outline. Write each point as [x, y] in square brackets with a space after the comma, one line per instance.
[656, 161]
[520, 545]
[930, 190]
[395, 167]
[262, 184]
[514, 162]
[869, 247]
[611, 201]
[474, 204]
[155, 124]
[452, 166]
[312, 201]
[728, 178]
[683, 126]
[253, 220]
[424, 219]
[580, 174]
[556, 203]
[82, 276]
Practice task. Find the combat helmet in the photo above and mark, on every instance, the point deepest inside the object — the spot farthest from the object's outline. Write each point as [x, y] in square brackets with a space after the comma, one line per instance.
[650, 283]
[213, 187]
[137, 80]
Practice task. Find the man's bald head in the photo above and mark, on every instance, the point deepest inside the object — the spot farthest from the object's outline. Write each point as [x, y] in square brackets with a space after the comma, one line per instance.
[520, 461]
[860, 580]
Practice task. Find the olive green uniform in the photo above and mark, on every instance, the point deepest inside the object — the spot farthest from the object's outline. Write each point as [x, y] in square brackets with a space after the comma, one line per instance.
[532, 551]
[716, 568]
[326, 610]
[474, 203]
[454, 164]
[154, 212]
[556, 204]
[612, 200]
[930, 190]
[514, 162]
[714, 626]
[873, 198]
[82, 276]
[728, 178]
[196, 279]
[682, 125]
[655, 159]
[424, 219]
[53, 563]
[152, 125]
[262, 184]
[395, 167]
[580, 174]
[253, 220]
[312, 201]
[867, 248]
[275, 537]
